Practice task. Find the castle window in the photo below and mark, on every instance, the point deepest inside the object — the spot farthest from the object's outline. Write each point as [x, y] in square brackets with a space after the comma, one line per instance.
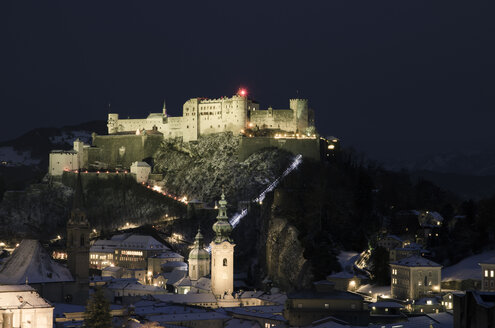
[224, 262]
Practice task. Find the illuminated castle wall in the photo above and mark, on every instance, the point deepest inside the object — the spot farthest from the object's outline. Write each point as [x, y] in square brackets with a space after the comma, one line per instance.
[202, 116]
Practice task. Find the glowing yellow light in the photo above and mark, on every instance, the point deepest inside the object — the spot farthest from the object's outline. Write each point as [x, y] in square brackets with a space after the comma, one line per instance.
[331, 146]
[58, 237]
[157, 188]
[352, 284]
[2, 244]
[138, 132]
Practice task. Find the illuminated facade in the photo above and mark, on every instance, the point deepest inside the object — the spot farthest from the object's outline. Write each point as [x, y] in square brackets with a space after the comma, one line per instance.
[222, 254]
[199, 259]
[202, 116]
[126, 251]
[415, 277]
[488, 277]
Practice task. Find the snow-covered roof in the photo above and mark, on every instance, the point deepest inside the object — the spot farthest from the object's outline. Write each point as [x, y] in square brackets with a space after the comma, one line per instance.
[180, 317]
[202, 283]
[272, 312]
[335, 294]
[381, 304]
[15, 296]
[186, 281]
[468, 268]
[175, 265]
[426, 301]
[168, 255]
[174, 276]
[31, 262]
[140, 164]
[187, 298]
[394, 237]
[415, 261]
[141, 242]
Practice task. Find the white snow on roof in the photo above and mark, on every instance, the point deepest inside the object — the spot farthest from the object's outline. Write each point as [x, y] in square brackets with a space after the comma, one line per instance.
[468, 268]
[187, 298]
[142, 242]
[140, 164]
[13, 297]
[374, 289]
[30, 260]
[188, 317]
[415, 261]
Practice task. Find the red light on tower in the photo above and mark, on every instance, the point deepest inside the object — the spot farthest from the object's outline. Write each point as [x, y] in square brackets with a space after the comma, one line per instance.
[242, 92]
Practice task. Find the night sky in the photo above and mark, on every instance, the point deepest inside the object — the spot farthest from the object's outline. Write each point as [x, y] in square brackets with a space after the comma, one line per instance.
[391, 78]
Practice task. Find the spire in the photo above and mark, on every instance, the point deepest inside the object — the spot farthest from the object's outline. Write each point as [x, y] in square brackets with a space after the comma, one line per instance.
[78, 215]
[222, 227]
[198, 240]
[78, 201]
[164, 108]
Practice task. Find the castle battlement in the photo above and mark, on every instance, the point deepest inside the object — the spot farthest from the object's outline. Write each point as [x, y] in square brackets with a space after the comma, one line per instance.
[202, 116]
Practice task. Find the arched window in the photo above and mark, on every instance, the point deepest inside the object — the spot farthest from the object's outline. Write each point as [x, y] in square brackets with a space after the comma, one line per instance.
[224, 262]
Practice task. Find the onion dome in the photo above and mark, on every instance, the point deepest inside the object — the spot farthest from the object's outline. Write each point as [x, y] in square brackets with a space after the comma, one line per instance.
[222, 227]
[198, 252]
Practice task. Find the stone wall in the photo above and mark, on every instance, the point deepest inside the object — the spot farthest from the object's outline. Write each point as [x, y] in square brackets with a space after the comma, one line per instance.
[309, 148]
[123, 150]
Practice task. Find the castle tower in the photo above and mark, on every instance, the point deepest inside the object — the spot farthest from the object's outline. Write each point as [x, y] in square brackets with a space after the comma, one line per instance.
[199, 259]
[78, 231]
[113, 123]
[300, 108]
[222, 254]
[164, 109]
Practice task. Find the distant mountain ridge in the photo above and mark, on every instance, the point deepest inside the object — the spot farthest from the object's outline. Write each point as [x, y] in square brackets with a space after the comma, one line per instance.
[33, 147]
[475, 162]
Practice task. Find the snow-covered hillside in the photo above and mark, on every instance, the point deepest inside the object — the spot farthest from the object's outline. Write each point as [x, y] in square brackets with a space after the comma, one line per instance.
[12, 157]
[200, 170]
[468, 268]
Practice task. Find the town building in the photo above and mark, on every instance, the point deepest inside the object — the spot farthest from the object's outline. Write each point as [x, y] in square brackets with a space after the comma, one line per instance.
[78, 231]
[222, 254]
[199, 259]
[390, 242]
[474, 309]
[22, 306]
[304, 307]
[166, 258]
[488, 277]
[129, 251]
[415, 277]
[141, 170]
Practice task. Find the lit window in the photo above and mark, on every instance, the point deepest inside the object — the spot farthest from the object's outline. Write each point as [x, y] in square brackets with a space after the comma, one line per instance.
[327, 306]
[492, 273]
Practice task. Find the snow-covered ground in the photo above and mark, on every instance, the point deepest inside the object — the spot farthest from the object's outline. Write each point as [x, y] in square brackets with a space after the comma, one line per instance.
[69, 137]
[11, 157]
[468, 268]
[347, 259]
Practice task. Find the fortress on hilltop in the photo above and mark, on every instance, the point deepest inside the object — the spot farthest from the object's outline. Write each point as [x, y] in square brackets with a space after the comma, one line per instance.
[132, 142]
[201, 116]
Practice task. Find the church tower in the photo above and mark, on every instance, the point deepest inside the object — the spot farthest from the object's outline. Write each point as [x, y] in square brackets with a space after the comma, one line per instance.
[199, 259]
[222, 254]
[78, 231]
